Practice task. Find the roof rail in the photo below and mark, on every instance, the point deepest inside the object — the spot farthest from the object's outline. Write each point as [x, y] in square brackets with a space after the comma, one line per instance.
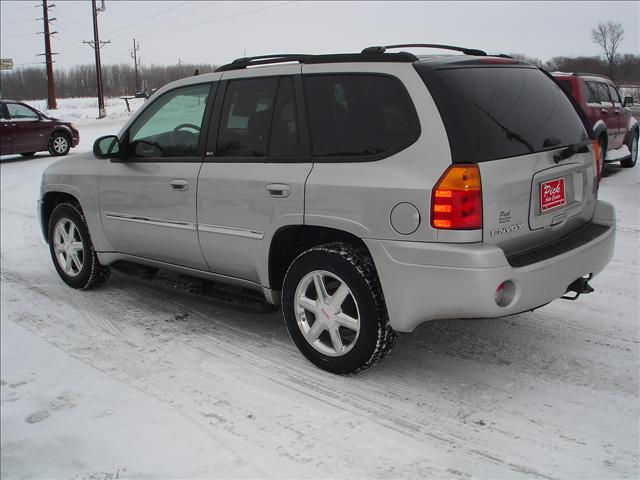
[240, 63]
[244, 62]
[466, 51]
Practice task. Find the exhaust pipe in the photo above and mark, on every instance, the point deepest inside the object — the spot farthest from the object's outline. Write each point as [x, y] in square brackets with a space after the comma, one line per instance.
[579, 286]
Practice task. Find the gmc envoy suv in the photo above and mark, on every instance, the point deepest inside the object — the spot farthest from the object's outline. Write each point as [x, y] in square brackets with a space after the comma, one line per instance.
[364, 193]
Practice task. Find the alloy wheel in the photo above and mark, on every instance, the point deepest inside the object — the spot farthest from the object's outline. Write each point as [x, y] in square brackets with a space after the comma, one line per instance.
[327, 313]
[60, 144]
[68, 247]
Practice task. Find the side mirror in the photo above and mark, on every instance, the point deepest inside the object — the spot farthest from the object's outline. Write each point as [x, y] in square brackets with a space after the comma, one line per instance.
[628, 102]
[107, 147]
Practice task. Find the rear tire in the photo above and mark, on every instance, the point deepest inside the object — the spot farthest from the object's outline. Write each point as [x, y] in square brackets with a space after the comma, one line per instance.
[602, 145]
[28, 154]
[633, 148]
[59, 144]
[345, 328]
[71, 248]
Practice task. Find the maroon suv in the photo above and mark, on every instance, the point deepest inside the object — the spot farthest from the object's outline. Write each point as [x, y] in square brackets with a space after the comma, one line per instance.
[25, 130]
[612, 123]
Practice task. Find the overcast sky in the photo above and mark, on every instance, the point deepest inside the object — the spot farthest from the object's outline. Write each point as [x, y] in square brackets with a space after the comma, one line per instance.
[218, 32]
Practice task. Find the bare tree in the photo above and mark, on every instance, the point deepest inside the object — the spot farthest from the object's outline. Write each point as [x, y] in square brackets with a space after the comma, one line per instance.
[609, 36]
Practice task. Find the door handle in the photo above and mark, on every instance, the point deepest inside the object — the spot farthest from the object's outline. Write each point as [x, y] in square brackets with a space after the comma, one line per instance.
[179, 184]
[604, 110]
[279, 190]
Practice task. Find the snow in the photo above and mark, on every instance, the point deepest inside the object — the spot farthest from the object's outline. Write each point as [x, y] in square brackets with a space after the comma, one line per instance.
[138, 380]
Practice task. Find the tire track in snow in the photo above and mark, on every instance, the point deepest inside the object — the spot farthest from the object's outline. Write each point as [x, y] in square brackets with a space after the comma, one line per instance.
[275, 360]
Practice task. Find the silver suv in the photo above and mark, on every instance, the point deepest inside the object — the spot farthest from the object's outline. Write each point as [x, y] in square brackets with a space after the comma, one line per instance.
[365, 193]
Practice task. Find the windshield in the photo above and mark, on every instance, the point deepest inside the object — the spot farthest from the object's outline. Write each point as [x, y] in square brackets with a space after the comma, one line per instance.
[513, 111]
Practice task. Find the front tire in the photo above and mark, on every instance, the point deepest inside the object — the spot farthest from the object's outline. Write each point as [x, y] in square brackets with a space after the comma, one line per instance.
[59, 144]
[71, 249]
[633, 148]
[334, 309]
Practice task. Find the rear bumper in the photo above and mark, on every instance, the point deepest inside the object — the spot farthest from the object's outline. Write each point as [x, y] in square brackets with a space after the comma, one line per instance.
[429, 281]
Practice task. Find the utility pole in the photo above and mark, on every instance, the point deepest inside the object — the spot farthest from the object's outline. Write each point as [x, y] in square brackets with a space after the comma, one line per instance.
[51, 86]
[97, 45]
[136, 62]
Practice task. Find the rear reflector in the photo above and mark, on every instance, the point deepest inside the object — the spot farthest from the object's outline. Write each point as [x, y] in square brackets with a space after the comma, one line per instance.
[456, 201]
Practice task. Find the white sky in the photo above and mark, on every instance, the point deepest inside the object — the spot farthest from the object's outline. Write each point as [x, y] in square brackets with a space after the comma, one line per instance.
[218, 32]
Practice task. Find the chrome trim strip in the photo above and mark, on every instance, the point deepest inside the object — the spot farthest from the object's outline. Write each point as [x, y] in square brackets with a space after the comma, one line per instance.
[151, 221]
[238, 232]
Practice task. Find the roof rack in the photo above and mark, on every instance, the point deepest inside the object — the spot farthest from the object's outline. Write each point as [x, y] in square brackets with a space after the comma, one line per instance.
[466, 51]
[244, 62]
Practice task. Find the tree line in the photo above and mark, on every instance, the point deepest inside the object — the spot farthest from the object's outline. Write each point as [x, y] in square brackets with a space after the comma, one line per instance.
[30, 83]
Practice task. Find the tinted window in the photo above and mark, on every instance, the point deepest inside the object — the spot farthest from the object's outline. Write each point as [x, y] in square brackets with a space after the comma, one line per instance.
[245, 122]
[513, 111]
[615, 96]
[171, 126]
[20, 112]
[285, 140]
[359, 115]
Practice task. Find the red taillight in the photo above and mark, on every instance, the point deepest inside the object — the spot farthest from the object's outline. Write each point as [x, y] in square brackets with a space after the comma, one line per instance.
[456, 201]
[596, 152]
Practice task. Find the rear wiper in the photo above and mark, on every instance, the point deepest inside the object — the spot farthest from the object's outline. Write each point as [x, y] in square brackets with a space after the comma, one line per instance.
[571, 150]
[510, 134]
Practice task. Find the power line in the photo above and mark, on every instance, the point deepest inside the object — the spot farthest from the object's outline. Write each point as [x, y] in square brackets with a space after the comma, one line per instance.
[18, 21]
[214, 20]
[135, 24]
[208, 4]
[20, 35]
[20, 8]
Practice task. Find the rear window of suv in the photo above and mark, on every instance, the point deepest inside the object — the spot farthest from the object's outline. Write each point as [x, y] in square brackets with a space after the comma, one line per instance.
[355, 115]
[512, 111]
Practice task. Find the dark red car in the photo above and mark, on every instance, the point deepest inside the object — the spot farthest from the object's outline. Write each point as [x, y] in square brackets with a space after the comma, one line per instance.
[25, 130]
[607, 113]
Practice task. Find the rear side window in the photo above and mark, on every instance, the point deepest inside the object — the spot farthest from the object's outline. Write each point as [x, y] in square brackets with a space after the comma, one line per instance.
[513, 111]
[246, 118]
[359, 115]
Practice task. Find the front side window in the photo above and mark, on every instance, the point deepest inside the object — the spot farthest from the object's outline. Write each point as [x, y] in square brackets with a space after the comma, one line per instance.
[171, 126]
[615, 96]
[20, 112]
[359, 115]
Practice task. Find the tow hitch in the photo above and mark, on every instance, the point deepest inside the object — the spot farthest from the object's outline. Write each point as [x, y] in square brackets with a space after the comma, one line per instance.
[579, 286]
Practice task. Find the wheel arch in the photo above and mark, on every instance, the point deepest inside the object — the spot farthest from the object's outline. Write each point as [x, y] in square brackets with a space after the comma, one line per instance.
[290, 241]
[600, 132]
[50, 200]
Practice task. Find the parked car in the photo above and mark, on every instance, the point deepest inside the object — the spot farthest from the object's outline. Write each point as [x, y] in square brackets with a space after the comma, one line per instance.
[365, 193]
[612, 123]
[26, 131]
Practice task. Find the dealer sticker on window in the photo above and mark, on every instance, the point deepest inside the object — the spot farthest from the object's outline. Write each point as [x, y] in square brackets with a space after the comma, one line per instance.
[552, 194]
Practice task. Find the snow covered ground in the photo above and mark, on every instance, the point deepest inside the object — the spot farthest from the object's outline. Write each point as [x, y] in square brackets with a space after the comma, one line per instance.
[137, 380]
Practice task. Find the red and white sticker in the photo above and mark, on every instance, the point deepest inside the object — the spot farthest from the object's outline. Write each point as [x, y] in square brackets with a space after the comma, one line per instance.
[552, 194]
